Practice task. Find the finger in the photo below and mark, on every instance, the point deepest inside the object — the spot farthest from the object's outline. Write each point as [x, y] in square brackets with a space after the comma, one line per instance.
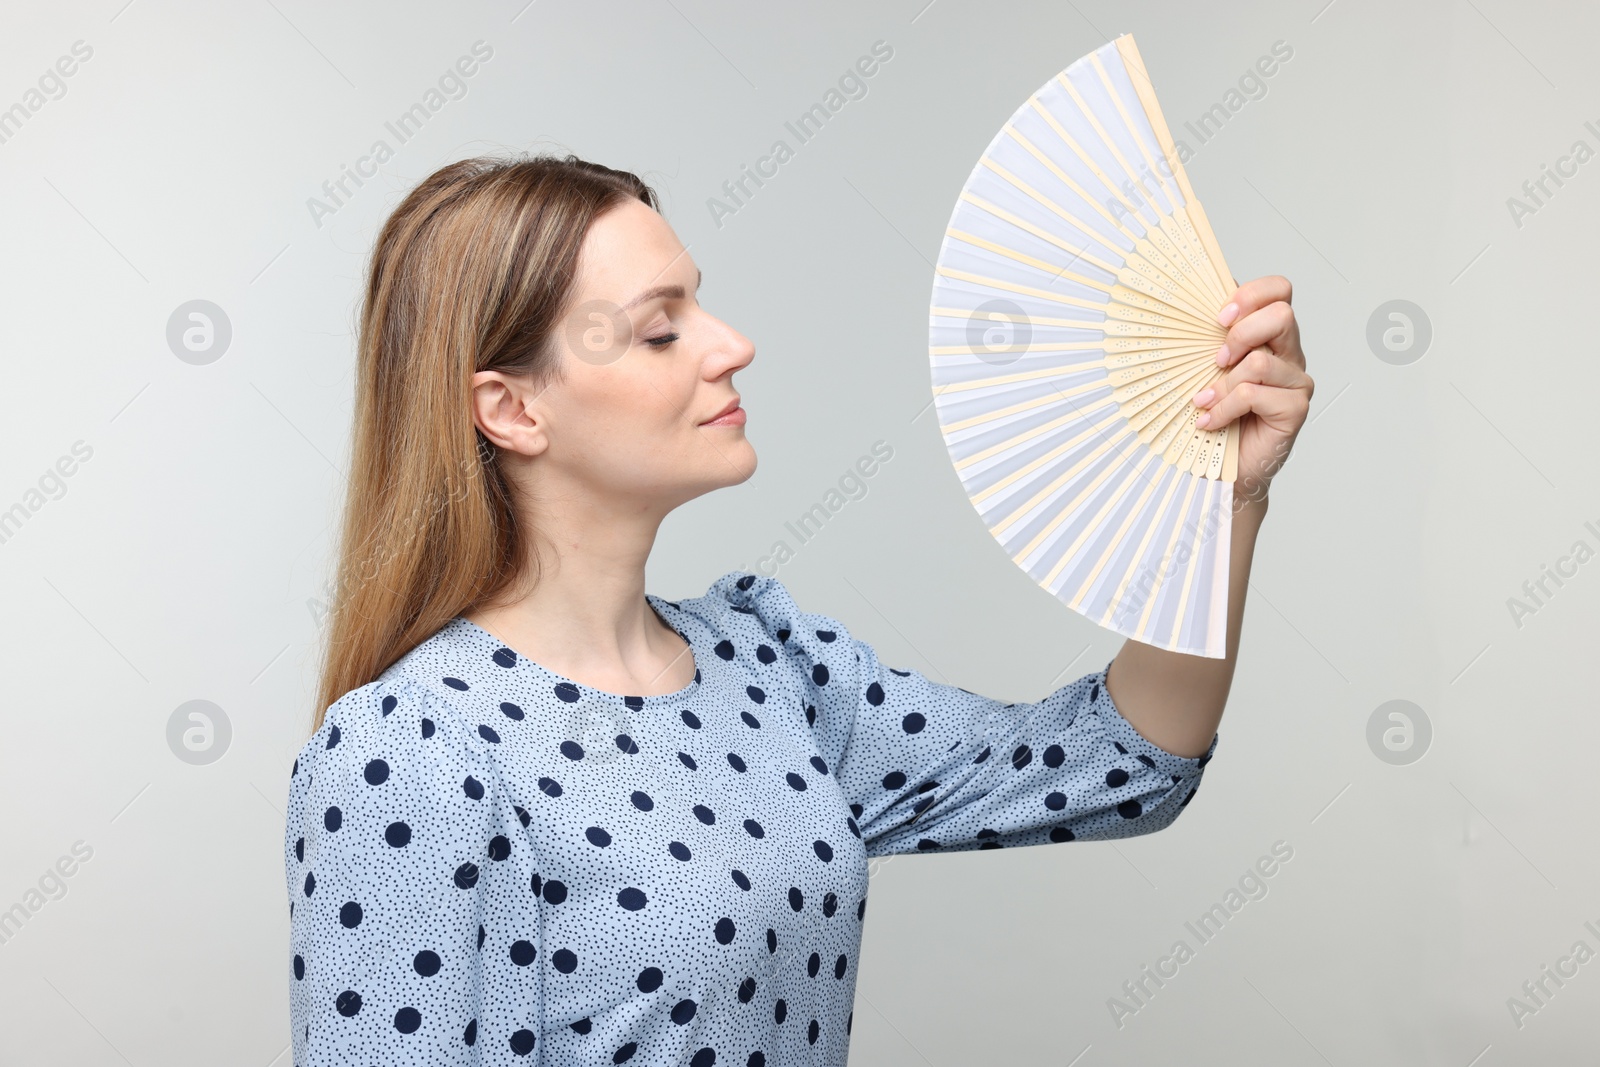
[1260, 367]
[1264, 367]
[1273, 327]
[1282, 408]
[1255, 295]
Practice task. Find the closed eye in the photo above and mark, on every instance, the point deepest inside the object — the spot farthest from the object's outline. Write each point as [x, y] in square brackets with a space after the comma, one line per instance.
[663, 341]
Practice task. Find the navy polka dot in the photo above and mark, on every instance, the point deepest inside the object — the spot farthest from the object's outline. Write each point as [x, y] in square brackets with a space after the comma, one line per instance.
[465, 848]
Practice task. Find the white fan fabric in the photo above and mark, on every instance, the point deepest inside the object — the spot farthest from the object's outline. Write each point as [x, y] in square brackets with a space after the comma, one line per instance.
[1028, 329]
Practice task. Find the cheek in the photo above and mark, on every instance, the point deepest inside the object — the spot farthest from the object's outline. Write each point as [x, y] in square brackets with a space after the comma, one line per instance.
[638, 417]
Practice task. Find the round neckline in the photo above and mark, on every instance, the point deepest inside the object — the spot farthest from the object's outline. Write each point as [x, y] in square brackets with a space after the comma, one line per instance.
[656, 604]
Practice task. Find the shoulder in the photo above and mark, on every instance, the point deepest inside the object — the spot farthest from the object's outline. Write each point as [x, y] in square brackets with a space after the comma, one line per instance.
[411, 710]
[739, 601]
[740, 608]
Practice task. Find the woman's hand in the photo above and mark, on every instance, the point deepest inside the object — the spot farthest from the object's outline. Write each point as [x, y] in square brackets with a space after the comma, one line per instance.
[1266, 387]
[1175, 700]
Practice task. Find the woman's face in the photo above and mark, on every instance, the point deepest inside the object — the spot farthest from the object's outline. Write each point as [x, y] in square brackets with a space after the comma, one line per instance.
[646, 370]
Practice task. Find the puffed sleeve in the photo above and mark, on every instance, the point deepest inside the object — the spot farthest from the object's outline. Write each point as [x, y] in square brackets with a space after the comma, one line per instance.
[927, 765]
[414, 913]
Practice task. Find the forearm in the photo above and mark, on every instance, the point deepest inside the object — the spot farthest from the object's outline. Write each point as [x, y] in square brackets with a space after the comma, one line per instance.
[1173, 699]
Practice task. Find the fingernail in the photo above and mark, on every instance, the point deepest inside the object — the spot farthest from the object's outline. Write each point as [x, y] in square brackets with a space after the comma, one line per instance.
[1204, 420]
[1204, 397]
[1228, 314]
[1222, 356]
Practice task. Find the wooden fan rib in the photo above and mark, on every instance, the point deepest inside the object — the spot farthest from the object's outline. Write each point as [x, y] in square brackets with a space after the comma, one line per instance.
[1175, 433]
[1018, 288]
[1129, 323]
[1180, 230]
[1181, 332]
[1217, 630]
[1018, 440]
[1133, 62]
[1040, 232]
[1189, 575]
[1131, 277]
[1002, 380]
[1074, 508]
[1100, 131]
[1088, 582]
[1024, 258]
[1097, 325]
[1168, 190]
[1190, 363]
[1029, 347]
[1165, 388]
[1160, 577]
[1016, 409]
[1046, 202]
[1198, 289]
[1123, 360]
[1045, 493]
[1128, 383]
[1136, 560]
[1076, 149]
[1195, 253]
[1066, 179]
[1028, 469]
[1126, 303]
[1142, 245]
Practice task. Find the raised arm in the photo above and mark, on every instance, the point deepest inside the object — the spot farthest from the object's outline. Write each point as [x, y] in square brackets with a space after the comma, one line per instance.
[1173, 699]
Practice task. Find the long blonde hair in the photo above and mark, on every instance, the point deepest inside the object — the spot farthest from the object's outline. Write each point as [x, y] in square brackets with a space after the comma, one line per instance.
[473, 271]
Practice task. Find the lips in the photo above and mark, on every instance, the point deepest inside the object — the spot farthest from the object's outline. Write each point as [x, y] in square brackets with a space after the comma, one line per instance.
[731, 405]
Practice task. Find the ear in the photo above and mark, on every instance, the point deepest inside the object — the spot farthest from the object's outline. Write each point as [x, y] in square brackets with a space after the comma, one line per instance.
[503, 407]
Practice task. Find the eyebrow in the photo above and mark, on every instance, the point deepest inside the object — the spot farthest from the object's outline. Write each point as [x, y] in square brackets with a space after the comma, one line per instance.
[672, 292]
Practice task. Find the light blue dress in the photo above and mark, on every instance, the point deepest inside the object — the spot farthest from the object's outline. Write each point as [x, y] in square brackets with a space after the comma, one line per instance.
[488, 863]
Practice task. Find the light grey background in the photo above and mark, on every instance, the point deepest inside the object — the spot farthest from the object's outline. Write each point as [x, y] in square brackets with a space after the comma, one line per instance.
[184, 559]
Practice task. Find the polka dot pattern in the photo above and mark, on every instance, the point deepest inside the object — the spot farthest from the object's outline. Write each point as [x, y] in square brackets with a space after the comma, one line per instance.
[489, 863]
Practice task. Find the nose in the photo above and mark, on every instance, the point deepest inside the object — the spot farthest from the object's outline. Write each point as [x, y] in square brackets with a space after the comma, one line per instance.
[733, 351]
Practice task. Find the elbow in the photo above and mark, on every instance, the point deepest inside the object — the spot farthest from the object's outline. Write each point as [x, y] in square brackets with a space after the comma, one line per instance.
[1154, 811]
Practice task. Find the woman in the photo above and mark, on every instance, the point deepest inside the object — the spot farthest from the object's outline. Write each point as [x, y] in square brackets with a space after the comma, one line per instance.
[549, 817]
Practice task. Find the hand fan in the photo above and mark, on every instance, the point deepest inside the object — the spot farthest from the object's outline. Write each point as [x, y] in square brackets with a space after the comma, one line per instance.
[1074, 315]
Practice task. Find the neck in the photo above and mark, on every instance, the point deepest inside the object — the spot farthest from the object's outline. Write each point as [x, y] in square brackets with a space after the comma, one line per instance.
[585, 617]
